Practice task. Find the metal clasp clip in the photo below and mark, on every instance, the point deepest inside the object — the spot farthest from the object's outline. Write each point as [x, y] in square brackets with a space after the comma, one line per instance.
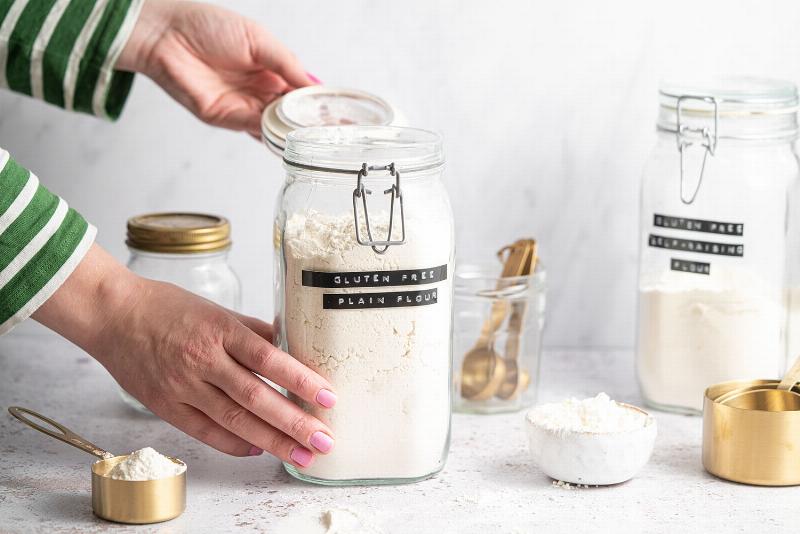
[361, 192]
[709, 142]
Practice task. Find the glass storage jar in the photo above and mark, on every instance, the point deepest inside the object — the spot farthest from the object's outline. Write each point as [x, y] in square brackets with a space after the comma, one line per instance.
[498, 338]
[364, 256]
[712, 268]
[187, 249]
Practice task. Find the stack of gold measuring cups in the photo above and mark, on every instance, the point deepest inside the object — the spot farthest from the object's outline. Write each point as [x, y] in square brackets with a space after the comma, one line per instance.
[751, 430]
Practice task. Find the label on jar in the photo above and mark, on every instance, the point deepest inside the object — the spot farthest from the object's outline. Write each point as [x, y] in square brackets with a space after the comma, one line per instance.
[692, 245]
[698, 225]
[687, 266]
[411, 277]
[399, 299]
[362, 279]
[695, 246]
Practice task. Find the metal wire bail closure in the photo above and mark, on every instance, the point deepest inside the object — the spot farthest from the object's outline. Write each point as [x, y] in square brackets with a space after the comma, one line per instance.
[361, 192]
[709, 142]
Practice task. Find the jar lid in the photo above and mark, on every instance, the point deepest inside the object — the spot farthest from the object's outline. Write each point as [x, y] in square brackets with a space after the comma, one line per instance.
[347, 149]
[319, 105]
[178, 233]
[742, 107]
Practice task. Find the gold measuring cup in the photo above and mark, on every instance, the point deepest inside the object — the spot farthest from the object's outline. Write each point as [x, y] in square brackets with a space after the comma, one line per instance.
[123, 501]
[751, 430]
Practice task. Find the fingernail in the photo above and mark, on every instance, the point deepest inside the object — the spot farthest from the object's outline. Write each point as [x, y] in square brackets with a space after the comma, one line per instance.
[326, 398]
[255, 451]
[321, 441]
[301, 456]
[313, 78]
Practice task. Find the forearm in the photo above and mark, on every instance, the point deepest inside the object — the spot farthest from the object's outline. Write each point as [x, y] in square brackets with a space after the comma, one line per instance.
[99, 290]
[65, 52]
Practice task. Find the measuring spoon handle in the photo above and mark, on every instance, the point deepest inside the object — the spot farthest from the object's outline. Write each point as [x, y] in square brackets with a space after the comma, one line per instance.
[791, 377]
[66, 435]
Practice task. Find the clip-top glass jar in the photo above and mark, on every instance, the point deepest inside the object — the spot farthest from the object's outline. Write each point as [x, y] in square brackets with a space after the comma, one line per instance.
[713, 242]
[364, 262]
[187, 249]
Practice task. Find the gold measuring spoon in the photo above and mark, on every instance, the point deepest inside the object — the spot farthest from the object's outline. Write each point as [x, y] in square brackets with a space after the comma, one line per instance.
[483, 370]
[779, 398]
[123, 501]
[517, 380]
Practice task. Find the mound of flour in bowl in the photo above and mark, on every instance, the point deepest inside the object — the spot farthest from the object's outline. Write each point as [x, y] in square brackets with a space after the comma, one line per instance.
[146, 464]
[597, 414]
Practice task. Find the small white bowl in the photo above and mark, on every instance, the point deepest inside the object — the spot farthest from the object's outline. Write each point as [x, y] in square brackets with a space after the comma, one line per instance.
[594, 459]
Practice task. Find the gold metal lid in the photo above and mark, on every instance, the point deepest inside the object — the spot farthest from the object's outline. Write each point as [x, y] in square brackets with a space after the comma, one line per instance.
[179, 233]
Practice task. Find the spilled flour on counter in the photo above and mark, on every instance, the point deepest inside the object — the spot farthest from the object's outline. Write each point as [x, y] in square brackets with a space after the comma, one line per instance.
[332, 521]
[146, 464]
[597, 414]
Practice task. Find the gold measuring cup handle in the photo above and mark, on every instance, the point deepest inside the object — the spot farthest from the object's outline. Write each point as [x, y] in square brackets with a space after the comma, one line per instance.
[66, 435]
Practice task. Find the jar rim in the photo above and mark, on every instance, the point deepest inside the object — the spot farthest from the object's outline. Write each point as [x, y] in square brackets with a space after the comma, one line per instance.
[733, 93]
[345, 149]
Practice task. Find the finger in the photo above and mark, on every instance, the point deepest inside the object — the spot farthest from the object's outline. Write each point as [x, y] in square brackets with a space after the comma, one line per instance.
[253, 352]
[235, 418]
[272, 54]
[198, 425]
[263, 329]
[259, 398]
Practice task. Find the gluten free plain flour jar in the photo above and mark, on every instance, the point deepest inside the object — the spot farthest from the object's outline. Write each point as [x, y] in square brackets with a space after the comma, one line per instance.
[375, 319]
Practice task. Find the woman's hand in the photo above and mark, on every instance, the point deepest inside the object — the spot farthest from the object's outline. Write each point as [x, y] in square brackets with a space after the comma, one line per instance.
[191, 362]
[221, 66]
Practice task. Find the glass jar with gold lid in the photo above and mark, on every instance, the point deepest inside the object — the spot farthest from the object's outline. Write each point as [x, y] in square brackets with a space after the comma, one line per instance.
[187, 249]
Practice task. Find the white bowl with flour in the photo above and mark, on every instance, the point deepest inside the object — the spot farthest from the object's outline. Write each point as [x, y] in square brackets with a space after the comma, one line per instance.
[596, 441]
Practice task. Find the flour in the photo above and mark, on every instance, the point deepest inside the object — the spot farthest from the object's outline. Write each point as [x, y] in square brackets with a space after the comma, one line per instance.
[332, 521]
[599, 415]
[695, 331]
[390, 367]
[146, 464]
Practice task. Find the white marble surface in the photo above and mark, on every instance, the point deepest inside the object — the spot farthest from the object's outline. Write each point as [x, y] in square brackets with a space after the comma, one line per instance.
[487, 486]
[547, 109]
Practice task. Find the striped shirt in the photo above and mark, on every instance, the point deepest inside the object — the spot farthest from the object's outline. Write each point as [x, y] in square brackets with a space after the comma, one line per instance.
[62, 52]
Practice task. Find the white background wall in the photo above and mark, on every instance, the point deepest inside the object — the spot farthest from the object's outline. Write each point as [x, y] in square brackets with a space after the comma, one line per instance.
[547, 108]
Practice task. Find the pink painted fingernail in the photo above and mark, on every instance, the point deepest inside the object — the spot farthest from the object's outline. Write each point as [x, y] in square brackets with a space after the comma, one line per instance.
[326, 398]
[313, 78]
[255, 451]
[321, 441]
[301, 456]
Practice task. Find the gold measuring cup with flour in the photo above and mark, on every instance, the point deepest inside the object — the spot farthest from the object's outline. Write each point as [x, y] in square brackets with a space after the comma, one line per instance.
[498, 371]
[751, 430]
[122, 501]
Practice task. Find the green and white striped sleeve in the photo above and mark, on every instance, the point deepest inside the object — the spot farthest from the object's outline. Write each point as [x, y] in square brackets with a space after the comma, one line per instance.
[64, 51]
[42, 240]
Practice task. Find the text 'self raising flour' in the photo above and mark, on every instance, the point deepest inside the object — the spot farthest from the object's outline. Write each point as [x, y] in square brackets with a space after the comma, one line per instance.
[364, 250]
[713, 262]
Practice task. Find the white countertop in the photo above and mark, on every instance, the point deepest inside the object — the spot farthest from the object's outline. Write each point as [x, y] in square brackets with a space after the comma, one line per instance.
[487, 486]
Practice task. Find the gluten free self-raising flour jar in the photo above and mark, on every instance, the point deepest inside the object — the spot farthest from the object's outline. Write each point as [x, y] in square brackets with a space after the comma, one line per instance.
[717, 203]
[364, 261]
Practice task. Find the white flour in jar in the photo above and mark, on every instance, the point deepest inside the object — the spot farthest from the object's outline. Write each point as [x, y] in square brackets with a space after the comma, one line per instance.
[146, 464]
[695, 331]
[390, 367]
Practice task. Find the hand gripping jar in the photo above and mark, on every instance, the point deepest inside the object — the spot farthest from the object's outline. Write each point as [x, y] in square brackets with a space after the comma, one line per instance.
[364, 261]
[714, 206]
